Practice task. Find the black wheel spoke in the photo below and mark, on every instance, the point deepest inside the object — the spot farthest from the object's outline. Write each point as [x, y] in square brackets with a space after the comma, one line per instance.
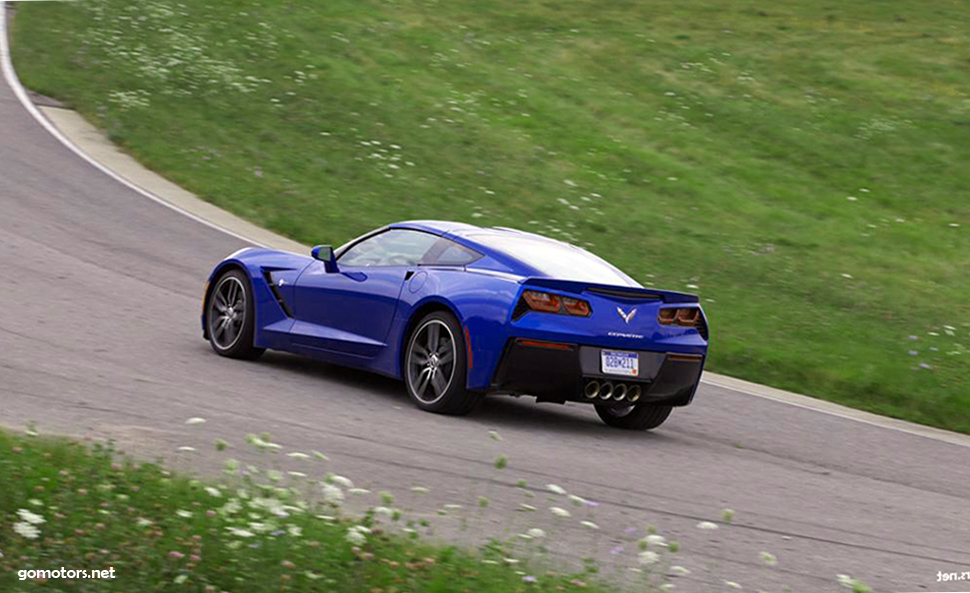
[419, 355]
[438, 383]
[220, 328]
[423, 379]
[433, 334]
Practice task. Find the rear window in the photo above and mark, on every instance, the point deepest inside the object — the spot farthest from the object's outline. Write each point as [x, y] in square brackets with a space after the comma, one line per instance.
[557, 260]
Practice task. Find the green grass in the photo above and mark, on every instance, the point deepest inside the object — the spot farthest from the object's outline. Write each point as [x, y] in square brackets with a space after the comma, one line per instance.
[254, 533]
[704, 145]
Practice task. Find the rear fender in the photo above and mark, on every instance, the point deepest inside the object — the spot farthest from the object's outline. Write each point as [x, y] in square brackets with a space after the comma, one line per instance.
[480, 301]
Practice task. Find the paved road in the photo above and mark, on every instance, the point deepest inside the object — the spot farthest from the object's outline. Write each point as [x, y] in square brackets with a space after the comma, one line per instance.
[99, 336]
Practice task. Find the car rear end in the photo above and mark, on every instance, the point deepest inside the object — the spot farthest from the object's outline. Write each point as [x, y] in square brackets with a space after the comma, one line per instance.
[603, 344]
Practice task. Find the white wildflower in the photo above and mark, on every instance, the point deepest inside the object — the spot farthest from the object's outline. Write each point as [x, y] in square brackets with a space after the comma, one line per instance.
[340, 481]
[707, 526]
[332, 494]
[732, 584]
[577, 500]
[358, 491]
[649, 557]
[559, 512]
[213, 491]
[356, 537]
[30, 517]
[419, 490]
[26, 530]
[769, 558]
[536, 533]
[186, 449]
[184, 514]
[298, 455]
[195, 420]
[679, 571]
[555, 489]
[655, 540]
[589, 525]
[261, 444]
[238, 532]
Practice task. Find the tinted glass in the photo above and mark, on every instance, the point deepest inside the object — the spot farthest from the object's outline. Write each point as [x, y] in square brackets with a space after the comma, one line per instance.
[557, 260]
[396, 247]
[448, 253]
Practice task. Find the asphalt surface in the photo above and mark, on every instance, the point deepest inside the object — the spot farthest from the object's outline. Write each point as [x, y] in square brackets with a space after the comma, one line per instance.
[99, 336]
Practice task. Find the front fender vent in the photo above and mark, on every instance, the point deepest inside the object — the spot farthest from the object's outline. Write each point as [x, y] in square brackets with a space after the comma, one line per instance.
[276, 293]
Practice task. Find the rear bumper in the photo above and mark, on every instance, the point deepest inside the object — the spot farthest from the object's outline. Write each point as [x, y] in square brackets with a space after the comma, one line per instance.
[559, 371]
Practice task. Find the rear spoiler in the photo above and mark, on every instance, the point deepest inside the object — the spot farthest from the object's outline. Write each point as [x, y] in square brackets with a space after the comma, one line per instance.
[630, 293]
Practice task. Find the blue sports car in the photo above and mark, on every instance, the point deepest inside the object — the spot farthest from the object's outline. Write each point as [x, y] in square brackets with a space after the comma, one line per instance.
[459, 311]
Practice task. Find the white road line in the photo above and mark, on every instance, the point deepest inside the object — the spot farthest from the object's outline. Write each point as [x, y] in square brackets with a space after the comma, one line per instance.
[10, 75]
[792, 399]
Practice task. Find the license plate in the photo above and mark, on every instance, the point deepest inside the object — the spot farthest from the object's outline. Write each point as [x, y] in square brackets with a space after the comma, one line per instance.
[620, 363]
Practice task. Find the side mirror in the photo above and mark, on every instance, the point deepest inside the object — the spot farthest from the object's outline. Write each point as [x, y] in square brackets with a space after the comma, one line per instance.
[325, 254]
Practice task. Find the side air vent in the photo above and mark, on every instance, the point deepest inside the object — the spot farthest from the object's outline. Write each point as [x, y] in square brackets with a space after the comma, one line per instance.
[276, 293]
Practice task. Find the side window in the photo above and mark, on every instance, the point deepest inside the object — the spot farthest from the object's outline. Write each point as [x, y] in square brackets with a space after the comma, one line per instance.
[396, 247]
[449, 253]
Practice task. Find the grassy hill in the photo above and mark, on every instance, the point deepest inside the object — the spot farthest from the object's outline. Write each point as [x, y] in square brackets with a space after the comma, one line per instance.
[803, 166]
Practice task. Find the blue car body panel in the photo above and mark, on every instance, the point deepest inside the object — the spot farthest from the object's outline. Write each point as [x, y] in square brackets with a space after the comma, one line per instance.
[361, 316]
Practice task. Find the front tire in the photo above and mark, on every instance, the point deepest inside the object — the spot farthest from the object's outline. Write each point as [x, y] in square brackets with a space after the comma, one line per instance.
[643, 416]
[231, 317]
[436, 368]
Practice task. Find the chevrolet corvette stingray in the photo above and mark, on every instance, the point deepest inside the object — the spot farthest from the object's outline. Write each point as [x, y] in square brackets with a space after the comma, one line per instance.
[459, 312]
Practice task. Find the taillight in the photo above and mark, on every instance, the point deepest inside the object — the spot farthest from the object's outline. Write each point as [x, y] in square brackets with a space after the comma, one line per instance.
[576, 307]
[542, 301]
[683, 316]
[552, 303]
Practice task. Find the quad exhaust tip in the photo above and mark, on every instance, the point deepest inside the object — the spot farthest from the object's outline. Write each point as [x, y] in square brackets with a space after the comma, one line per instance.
[618, 392]
[633, 394]
[606, 390]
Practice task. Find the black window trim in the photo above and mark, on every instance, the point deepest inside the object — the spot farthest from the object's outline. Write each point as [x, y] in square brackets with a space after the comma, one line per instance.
[345, 248]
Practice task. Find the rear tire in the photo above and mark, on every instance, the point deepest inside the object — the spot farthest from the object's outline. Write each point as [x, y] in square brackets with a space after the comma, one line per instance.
[436, 366]
[231, 317]
[643, 416]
